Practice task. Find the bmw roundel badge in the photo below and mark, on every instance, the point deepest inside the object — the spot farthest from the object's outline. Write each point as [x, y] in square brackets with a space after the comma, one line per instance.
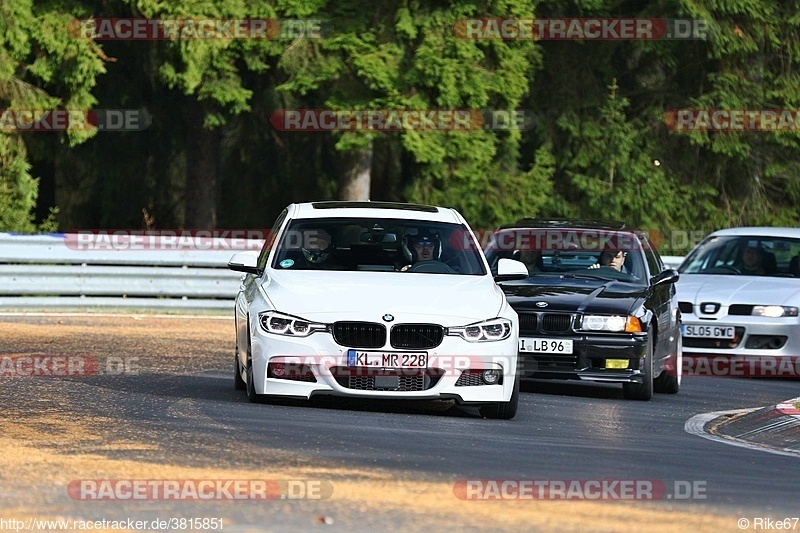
[541, 304]
[388, 318]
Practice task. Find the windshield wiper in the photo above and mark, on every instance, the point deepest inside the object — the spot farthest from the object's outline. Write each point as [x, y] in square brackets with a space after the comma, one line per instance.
[569, 275]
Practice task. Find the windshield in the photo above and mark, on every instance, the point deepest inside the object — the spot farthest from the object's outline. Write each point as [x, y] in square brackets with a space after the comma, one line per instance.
[580, 253]
[745, 256]
[376, 244]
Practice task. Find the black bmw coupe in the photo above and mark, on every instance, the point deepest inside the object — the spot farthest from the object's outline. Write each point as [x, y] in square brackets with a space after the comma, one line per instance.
[598, 304]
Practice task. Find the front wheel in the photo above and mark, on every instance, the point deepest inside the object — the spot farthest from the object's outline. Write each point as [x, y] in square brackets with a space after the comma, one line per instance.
[503, 410]
[238, 382]
[644, 390]
[251, 388]
[250, 382]
[671, 383]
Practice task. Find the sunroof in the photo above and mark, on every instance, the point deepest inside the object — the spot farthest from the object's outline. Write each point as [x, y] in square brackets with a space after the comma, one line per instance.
[375, 205]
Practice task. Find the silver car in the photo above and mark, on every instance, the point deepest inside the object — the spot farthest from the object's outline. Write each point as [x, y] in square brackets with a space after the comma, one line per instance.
[739, 294]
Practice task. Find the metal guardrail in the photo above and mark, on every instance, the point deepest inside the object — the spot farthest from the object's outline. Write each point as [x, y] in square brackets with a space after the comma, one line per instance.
[672, 261]
[49, 272]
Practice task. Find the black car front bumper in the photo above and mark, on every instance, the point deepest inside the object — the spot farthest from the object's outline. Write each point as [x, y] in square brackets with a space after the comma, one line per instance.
[588, 360]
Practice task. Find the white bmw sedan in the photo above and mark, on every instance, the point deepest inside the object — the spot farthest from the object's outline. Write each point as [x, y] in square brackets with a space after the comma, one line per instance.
[375, 300]
[739, 294]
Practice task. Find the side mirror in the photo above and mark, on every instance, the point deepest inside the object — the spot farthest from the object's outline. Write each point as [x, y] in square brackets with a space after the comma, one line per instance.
[665, 277]
[245, 262]
[510, 270]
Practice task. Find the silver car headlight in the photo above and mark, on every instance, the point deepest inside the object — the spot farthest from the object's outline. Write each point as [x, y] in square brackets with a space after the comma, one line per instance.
[629, 324]
[283, 324]
[774, 311]
[496, 329]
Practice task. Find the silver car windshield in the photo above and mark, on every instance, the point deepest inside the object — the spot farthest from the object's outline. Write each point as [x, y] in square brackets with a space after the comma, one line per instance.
[745, 256]
[381, 245]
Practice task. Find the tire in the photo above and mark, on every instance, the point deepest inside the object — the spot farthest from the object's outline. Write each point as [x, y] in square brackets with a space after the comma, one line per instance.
[642, 391]
[503, 410]
[238, 382]
[249, 383]
[667, 383]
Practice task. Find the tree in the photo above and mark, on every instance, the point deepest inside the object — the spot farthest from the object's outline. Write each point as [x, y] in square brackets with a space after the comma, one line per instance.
[408, 57]
[42, 67]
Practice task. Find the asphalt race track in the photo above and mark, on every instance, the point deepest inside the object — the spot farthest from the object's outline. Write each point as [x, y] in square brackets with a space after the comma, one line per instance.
[173, 414]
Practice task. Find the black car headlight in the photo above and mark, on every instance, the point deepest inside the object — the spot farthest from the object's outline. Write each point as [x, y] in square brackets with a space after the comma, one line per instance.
[774, 311]
[496, 329]
[615, 323]
[282, 324]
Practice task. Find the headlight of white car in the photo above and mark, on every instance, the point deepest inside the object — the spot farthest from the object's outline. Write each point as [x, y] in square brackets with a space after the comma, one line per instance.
[774, 311]
[282, 324]
[629, 324]
[496, 329]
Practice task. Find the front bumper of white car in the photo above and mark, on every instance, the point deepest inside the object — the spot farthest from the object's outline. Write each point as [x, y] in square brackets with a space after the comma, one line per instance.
[317, 365]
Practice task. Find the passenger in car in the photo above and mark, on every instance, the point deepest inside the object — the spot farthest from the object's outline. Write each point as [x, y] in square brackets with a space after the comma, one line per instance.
[531, 258]
[794, 266]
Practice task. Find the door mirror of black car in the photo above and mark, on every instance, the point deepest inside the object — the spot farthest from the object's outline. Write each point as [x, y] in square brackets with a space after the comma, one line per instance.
[510, 270]
[665, 277]
[245, 262]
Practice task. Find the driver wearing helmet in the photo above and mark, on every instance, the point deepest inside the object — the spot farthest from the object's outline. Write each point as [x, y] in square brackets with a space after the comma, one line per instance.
[317, 247]
[422, 246]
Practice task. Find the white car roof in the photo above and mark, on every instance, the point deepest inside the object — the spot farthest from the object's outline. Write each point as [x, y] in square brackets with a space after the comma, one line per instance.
[759, 232]
[329, 209]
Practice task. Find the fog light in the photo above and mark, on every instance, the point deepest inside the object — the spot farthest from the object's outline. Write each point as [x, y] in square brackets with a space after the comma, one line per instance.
[490, 377]
[617, 363]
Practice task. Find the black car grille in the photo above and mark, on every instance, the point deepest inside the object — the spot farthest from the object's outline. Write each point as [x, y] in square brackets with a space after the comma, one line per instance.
[556, 323]
[528, 322]
[532, 323]
[470, 378]
[685, 307]
[359, 334]
[381, 379]
[740, 309]
[403, 383]
[418, 336]
[532, 363]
